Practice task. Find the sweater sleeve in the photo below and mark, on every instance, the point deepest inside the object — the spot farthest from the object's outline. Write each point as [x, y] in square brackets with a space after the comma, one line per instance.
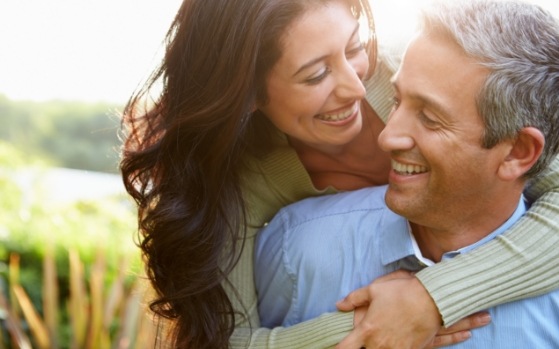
[323, 332]
[520, 263]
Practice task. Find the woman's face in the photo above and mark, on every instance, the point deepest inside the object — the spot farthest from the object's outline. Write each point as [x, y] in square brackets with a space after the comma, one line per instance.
[315, 89]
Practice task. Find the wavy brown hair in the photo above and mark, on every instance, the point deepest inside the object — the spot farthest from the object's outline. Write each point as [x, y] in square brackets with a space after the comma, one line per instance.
[182, 154]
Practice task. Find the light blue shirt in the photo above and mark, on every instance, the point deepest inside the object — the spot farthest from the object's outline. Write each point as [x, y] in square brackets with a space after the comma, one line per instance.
[316, 251]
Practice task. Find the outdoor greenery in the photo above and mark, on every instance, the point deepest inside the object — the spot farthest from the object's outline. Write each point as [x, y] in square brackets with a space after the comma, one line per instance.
[65, 134]
[70, 272]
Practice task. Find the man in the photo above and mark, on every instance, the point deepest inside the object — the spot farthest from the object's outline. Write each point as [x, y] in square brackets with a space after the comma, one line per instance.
[475, 116]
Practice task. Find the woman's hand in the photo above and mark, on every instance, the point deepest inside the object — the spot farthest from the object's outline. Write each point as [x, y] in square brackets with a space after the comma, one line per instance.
[395, 311]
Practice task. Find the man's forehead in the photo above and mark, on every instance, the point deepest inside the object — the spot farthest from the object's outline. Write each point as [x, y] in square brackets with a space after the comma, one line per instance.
[436, 71]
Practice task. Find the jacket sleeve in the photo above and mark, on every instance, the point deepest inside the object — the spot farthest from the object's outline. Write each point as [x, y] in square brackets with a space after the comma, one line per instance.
[520, 263]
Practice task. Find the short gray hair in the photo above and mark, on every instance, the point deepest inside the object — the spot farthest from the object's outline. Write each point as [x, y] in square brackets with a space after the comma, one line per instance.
[519, 43]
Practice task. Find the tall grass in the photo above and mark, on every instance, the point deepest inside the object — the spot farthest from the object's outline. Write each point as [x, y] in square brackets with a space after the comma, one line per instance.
[99, 315]
[70, 273]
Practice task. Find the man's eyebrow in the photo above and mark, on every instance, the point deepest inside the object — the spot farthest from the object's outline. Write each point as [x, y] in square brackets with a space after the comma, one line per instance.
[318, 59]
[426, 99]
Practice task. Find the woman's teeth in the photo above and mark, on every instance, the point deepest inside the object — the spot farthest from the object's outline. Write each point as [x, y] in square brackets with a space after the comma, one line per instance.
[336, 117]
[407, 169]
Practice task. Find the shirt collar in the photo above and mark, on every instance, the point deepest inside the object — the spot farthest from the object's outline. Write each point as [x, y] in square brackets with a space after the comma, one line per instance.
[519, 212]
[397, 241]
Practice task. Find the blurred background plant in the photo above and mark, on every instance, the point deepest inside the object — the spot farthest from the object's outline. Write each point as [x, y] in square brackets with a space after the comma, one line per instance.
[69, 268]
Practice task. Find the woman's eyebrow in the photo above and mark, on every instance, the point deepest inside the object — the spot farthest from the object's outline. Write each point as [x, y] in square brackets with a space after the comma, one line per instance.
[318, 59]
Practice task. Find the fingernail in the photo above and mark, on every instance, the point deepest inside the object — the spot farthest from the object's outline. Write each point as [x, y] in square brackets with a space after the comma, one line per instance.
[485, 319]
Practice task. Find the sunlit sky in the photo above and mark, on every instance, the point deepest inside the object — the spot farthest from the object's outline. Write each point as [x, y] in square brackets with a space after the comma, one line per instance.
[99, 50]
[93, 50]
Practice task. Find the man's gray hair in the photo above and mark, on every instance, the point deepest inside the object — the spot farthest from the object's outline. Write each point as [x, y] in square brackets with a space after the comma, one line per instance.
[519, 43]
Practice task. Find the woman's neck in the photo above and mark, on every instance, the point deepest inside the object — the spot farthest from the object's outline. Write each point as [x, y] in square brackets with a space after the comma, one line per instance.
[358, 164]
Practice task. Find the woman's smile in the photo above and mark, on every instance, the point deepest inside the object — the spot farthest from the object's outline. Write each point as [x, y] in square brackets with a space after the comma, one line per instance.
[341, 117]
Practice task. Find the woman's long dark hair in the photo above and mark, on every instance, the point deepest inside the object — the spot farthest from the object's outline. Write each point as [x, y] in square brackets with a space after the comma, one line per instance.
[182, 155]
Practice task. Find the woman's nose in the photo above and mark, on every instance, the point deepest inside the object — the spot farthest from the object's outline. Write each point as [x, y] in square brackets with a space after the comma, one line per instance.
[349, 84]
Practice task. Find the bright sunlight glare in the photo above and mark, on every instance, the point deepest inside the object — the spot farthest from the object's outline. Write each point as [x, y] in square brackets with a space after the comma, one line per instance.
[92, 50]
[100, 50]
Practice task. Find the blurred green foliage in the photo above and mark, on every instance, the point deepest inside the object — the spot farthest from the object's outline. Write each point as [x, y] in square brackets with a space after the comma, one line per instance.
[66, 134]
[75, 135]
[28, 226]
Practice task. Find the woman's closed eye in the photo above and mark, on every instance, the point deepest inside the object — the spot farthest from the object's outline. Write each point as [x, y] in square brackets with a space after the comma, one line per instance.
[313, 80]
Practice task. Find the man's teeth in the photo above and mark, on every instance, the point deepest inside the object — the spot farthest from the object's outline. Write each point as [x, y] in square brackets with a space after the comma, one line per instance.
[408, 169]
[336, 117]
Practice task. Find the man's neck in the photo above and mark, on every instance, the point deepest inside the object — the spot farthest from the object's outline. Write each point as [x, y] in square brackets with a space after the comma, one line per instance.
[434, 241]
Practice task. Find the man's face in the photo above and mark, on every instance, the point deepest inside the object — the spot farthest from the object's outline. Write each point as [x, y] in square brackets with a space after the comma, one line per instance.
[441, 174]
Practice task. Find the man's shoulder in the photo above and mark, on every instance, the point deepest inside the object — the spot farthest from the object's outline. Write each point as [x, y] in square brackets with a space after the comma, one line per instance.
[357, 201]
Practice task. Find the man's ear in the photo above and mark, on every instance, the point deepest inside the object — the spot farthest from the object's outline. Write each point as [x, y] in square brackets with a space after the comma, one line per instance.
[525, 151]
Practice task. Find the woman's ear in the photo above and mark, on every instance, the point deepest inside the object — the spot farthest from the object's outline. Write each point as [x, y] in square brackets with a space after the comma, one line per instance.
[525, 151]
[255, 106]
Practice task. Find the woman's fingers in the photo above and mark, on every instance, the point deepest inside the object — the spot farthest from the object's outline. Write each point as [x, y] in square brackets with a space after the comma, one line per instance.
[461, 330]
[363, 296]
[468, 323]
[355, 299]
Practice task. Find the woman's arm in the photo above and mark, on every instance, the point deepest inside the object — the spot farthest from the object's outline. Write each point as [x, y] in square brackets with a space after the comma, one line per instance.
[323, 332]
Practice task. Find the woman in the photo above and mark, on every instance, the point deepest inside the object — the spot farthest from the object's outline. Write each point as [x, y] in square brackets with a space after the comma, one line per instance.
[236, 134]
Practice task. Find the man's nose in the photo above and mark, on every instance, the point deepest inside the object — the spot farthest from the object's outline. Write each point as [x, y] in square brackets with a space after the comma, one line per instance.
[397, 134]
